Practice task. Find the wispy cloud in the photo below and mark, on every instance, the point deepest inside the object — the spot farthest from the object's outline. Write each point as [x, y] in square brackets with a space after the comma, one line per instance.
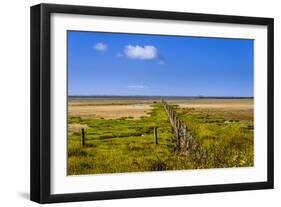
[138, 86]
[119, 55]
[101, 47]
[161, 60]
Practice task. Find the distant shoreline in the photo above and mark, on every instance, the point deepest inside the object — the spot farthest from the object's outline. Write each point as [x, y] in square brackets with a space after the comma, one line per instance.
[157, 97]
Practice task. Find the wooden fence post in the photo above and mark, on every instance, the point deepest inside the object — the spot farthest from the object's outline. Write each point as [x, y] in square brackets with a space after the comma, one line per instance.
[82, 137]
[155, 135]
[178, 138]
[184, 131]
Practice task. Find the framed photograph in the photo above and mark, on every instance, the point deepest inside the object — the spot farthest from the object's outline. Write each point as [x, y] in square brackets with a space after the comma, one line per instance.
[132, 103]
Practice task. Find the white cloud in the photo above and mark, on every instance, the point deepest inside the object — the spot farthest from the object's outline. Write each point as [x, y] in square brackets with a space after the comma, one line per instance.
[147, 52]
[138, 86]
[101, 47]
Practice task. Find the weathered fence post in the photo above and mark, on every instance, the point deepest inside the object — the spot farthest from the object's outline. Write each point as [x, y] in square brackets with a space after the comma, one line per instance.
[82, 137]
[184, 132]
[185, 143]
[155, 135]
[178, 138]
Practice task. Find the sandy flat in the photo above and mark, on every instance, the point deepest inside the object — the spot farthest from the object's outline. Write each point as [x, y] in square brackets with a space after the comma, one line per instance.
[218, 106]
[229, 104]
[76, 127]
[109, 111]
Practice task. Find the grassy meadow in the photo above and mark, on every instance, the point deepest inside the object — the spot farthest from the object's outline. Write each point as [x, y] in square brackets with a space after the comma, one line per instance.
[224, 130]
[119, 135]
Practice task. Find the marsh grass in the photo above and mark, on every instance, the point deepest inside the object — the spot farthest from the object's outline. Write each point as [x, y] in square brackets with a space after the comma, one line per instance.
[124, 145]
[226, 136]
[127, 145]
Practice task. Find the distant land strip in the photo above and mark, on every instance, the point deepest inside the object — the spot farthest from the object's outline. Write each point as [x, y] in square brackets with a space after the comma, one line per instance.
[155, 97]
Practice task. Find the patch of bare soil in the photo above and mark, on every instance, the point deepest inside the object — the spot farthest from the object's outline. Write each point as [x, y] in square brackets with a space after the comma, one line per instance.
[219, 105]
[133, 111]
[76, 127]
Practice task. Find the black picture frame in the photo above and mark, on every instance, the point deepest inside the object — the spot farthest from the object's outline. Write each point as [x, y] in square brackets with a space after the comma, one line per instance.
[41, 96]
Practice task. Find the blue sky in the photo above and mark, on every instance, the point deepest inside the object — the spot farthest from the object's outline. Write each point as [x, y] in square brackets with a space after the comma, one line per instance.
[131, 64]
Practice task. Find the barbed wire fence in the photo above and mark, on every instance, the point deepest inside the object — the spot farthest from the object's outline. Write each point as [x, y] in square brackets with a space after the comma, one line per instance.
[185, 142]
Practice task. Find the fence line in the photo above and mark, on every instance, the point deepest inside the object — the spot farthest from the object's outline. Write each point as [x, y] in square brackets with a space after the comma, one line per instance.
[184, 140]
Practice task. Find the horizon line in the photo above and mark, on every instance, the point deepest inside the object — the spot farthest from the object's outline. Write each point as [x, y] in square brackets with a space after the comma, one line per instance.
[199, 96]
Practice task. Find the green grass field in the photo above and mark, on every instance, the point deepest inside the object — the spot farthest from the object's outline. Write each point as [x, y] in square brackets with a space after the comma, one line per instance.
[226, 138]
[126, 144]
